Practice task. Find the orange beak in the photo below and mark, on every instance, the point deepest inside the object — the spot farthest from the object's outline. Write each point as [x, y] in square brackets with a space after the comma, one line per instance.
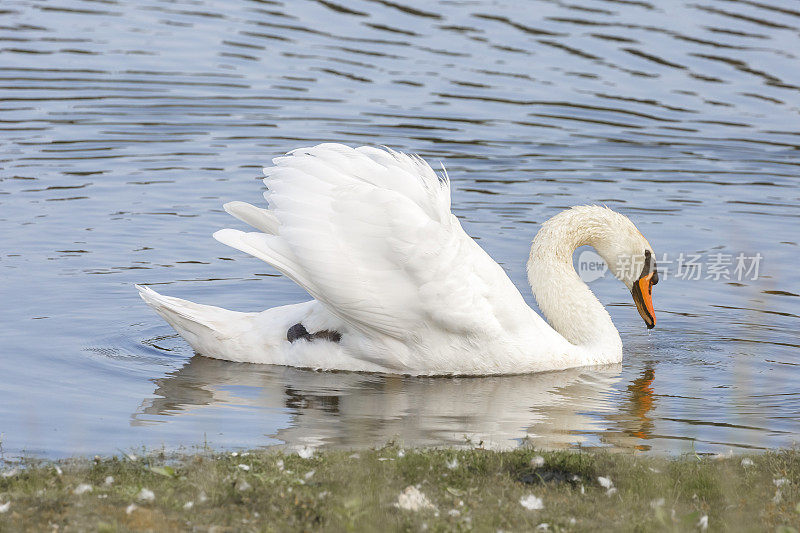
[642, 292]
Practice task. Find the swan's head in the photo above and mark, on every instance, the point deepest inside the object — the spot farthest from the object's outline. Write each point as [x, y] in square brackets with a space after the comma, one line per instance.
[623, 247]
[631, 259]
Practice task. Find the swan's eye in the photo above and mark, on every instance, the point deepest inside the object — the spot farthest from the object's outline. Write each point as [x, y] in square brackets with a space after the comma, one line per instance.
[650, 266]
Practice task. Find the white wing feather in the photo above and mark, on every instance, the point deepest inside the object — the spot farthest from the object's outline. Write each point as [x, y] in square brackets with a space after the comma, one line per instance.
[261, 219]
[369, 234]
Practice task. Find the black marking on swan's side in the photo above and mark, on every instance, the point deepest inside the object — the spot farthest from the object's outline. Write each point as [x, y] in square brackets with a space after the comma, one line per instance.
[298, 331]
[327, 334]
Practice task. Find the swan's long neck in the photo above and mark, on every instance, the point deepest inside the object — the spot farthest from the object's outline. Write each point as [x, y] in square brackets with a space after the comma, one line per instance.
[566, 301]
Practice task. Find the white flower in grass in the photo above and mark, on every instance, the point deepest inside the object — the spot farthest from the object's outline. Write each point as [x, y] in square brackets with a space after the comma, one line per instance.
[454, 512]
[131, 508]
[411, 499]
[246, 468]
[308, 475]
[82, 489]
[58, 470]
[780, 482]
[703, 523]
[777, 498]
[146, 495]
[543, 527]
[452, 465]
[305, 452]
[531, 502]
[605, 482]
[109, 480]
[4, 507]
[188, 505]
[537, 461]
[401, 453]
[747, 462]
[657, 503]
[279, 464]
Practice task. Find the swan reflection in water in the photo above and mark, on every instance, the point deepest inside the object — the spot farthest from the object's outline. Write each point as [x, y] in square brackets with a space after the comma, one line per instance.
[345, 409]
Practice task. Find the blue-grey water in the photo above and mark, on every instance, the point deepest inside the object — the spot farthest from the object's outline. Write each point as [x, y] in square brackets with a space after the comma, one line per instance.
[125, 125]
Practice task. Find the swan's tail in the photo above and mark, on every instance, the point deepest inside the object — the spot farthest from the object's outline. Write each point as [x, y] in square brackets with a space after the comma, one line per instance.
[203, 326]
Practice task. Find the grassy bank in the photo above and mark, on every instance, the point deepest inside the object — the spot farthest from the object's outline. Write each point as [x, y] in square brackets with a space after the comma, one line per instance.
[451, 490]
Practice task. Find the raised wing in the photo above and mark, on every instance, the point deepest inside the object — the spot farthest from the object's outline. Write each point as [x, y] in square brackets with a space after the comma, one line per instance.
[369, 234]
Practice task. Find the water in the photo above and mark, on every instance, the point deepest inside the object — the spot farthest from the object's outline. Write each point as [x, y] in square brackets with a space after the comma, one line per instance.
[125, 125]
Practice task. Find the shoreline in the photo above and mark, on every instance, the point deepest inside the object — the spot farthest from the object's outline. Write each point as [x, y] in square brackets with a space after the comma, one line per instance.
[439, 489]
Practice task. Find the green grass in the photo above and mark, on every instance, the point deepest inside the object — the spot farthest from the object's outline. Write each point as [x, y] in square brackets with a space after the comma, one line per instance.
[471, 489]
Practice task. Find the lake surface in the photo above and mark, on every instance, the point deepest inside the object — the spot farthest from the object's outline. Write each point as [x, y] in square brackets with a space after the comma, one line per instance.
[124, 126]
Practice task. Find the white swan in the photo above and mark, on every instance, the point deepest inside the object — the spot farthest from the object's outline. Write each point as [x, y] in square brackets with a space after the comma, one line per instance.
[399, 287]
